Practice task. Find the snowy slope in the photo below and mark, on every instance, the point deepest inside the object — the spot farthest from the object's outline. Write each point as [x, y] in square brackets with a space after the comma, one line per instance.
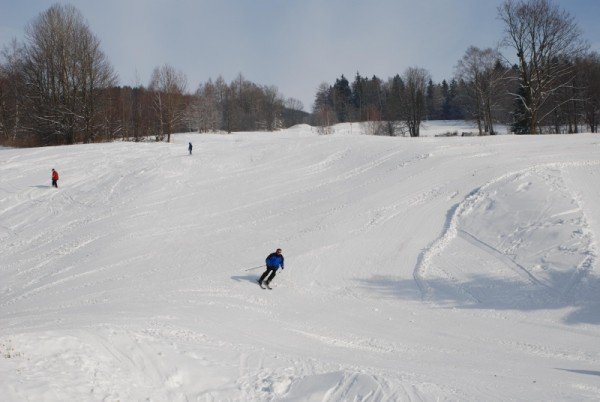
[416, 269]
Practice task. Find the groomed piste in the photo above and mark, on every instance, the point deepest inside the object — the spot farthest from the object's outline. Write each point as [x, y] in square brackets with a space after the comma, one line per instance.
[416, 269]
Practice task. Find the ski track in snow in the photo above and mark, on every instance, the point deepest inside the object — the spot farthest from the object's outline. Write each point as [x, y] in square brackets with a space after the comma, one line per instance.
[451, 231]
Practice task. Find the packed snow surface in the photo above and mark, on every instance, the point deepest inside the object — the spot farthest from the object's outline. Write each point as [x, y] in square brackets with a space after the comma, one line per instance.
[415, 269]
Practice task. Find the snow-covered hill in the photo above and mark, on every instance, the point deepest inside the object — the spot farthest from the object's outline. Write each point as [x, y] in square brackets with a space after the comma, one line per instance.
[416, 269]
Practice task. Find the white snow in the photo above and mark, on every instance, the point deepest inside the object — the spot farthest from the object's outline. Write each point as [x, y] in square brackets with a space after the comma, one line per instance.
[431, 128]
[416, 269]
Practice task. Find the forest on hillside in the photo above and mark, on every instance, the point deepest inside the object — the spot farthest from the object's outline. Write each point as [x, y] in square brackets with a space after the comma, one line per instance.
[57, 86]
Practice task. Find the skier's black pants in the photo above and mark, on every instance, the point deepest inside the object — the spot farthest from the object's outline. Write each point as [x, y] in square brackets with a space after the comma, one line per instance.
[273, 271]
[54, 183]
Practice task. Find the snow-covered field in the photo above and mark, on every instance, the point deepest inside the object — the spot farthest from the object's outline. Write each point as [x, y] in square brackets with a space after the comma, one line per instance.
[416, 269]
[428, 128]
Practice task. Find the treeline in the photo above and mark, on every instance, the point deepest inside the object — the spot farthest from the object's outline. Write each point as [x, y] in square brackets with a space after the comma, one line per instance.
[553, 86]
[398, 104]
[241, 106]
[165, 107]
[58, 87]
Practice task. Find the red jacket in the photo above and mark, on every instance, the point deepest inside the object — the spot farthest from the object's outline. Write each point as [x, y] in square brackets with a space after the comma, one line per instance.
[54, 175]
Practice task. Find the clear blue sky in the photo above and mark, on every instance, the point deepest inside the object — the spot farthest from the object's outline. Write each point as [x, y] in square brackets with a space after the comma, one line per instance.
[293, 44]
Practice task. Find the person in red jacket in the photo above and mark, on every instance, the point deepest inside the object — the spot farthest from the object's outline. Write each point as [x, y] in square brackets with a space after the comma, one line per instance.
[54, 178]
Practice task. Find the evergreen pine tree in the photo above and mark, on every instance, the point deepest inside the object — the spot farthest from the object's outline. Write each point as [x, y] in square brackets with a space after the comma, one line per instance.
[521, 116]
[394, 99]
[430, 101]
[394, 93]
[342, 97]
[358, 88]
[454, 109]
[446, 105]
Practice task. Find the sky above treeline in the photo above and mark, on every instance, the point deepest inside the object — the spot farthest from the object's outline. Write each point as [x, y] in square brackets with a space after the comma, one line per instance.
[292, 44]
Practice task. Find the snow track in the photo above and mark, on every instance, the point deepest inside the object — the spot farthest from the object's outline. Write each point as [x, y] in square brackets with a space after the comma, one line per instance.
[547, 216]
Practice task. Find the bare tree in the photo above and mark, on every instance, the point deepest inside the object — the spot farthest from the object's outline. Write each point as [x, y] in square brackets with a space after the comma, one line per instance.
[323, 110]
[541, 35]
[589, 70]
[294, 112]
[11, 92]
[272, 107]
[294, 104]
[209, 107]
[414, 107]
[169, 86]
[203, 113]
[483, 76]
[65, 73]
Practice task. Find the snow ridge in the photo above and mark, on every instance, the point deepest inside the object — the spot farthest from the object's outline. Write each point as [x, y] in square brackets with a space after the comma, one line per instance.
[450, 232]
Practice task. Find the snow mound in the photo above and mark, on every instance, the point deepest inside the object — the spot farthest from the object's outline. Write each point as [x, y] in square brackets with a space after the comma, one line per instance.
[357, 386]
[521, 241]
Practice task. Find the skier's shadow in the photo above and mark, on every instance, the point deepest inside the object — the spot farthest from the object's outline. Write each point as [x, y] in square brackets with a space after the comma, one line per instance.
[41, 186]
[588, 372]
[245, 278]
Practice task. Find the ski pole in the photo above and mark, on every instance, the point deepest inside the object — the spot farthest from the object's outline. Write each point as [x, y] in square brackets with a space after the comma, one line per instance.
[250, 269]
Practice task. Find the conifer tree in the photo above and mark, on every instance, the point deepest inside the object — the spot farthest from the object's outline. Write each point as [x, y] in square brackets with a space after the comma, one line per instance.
[342, 96]
[521, 116]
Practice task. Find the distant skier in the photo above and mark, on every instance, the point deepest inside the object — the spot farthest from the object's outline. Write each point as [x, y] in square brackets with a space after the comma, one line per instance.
[54, 178]
[274, 261]
[190, 148]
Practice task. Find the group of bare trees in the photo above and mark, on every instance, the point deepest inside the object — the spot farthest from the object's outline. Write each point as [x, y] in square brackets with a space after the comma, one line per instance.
[53, 84]
[483, 80]
[58, 87]
[241, 106]
[168, 87]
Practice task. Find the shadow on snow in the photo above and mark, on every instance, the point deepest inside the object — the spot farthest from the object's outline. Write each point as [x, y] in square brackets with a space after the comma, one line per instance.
[484, 292]
[246, 278]
[587, 372]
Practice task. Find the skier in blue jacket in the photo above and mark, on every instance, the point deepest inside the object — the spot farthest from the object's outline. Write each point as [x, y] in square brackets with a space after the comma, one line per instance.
[274, 261]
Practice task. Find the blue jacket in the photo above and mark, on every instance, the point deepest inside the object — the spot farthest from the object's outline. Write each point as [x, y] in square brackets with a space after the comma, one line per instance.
[274, 261]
